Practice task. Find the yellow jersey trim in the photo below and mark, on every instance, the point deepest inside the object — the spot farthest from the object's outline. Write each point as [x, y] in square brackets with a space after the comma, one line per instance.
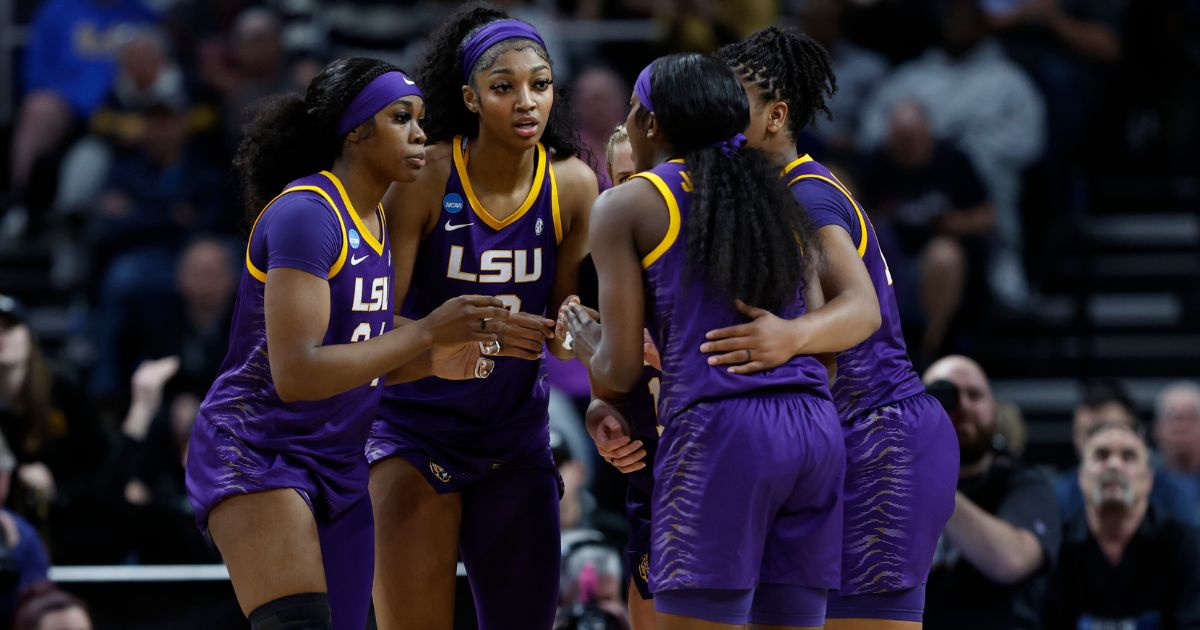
[673, 223]
[375, 243]
[261, 275]
[794, 163]
[862, 217]
[554, 209]
[460, 165]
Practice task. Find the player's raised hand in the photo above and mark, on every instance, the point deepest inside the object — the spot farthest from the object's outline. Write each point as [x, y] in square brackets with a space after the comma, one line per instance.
[523, 334]
[762, 344]
[466, 318]
[611, 433]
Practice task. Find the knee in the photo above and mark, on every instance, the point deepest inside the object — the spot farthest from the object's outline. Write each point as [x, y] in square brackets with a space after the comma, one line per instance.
[45, 109]
[942, 256]
[307, 611]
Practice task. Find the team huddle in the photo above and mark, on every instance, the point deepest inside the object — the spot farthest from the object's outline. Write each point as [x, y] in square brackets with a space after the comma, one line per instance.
[382, 410]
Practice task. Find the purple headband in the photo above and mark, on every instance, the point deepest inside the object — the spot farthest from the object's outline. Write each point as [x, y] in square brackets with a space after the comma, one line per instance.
[490, 35]
[732, 145]
[642, 87]
[381, 91]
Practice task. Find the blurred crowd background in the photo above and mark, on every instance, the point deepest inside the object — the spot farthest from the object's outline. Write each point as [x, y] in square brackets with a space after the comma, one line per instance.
[1031, 167]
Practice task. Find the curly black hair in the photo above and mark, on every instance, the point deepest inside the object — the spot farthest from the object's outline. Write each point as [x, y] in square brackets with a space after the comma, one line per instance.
[440, 76]
[746, 234]
[786, 65]
[291, 137]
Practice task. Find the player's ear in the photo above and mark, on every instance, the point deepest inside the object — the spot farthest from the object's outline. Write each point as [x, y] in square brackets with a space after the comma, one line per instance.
[470, 99]
[777, 117]
[651, 126]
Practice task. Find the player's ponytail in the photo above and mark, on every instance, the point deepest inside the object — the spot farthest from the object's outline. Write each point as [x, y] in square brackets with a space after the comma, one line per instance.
[745, 231]
[291, 137]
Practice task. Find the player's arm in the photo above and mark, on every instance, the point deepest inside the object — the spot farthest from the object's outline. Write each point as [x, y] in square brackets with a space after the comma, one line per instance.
[849, 316]
[297, 316]
[612, 351]
[577, 190]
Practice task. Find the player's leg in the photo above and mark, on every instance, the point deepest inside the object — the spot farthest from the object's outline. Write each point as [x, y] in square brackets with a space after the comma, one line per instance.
[943, 273]
[802, 556]
[641, 610]
[902, 469]
[416, 545]
[511, 548]
[719, 481]
[348, 549]
[269, 542]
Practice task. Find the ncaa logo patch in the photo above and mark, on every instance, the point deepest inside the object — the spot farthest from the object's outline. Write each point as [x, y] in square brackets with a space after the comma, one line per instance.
[354, 239]
[439, 472]
[452, 203]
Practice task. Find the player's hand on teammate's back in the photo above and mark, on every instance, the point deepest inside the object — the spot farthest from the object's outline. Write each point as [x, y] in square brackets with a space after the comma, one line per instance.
[611, 433]
[466, 318]
[523, 334]
[762, 344]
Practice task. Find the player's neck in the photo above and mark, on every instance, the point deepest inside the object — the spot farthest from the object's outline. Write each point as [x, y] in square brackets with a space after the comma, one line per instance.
[494, 168]
[364, 189]
[781, 149]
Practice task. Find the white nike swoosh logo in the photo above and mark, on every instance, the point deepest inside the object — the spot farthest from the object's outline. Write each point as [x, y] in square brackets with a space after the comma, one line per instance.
[407, 81]
[450, 227]
[355, 261]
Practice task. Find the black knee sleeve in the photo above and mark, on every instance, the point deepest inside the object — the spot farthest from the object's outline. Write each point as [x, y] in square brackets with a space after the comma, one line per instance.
[305, 611]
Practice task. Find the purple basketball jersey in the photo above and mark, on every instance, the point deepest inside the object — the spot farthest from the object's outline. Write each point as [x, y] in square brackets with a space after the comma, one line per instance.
[471, 252]
[877, 372]
[680, 309]
[325, 437]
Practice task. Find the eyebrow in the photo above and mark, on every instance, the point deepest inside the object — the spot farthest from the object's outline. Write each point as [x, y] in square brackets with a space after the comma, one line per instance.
[511, 71]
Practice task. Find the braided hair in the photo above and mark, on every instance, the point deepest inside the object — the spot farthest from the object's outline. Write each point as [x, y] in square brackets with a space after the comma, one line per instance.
[789, 66]
[743, 220]
[440, 76]
[291, 137]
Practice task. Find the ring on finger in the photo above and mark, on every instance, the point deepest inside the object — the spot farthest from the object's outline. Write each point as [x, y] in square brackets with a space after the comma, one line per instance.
[489, 348]
[484, 367]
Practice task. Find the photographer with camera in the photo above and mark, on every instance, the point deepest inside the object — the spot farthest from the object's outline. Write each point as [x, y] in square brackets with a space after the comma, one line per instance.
[999, 546]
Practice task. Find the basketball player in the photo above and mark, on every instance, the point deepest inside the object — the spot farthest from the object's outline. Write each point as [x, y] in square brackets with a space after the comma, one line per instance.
[762, 549]
[276, 471]
[902, 453]
[502, 210]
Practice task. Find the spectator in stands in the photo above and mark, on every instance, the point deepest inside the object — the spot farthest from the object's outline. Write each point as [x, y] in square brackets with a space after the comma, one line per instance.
[23, 557]
[1065, 46]
[601, 100]
[1177, 429]
[146, 75]
[155, 199]
[987, 105]
[592, 588]
[250, 67]
[144, 479]
[55, 438]
[857, 69]
[1000, 544]
[1106, 403]
[930, 208]
[1123, 563]
[69, 67]
[45, 607]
